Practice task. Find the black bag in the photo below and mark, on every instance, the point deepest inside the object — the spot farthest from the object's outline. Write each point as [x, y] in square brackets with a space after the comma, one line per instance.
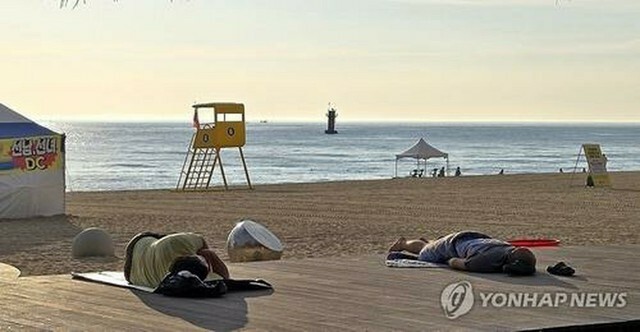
[187, 284]
[246, 285]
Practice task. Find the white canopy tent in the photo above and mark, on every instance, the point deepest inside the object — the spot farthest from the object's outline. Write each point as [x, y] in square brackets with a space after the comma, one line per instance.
[31, 168]
[422, 151]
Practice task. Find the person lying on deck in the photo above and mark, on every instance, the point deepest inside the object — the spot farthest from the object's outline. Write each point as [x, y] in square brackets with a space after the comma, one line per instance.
[471, 251]
[149, 257]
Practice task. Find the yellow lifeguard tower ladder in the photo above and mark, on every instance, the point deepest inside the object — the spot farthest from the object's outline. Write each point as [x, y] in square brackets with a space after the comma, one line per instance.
[227, 130]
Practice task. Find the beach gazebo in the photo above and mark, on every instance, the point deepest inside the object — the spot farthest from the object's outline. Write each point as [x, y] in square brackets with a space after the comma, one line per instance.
[32, 168]
[421, 150]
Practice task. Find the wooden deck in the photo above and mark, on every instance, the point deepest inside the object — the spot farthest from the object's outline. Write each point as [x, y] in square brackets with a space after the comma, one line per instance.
[357, 293]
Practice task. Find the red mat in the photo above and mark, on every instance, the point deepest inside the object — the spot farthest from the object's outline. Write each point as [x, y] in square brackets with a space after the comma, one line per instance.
[535, 242]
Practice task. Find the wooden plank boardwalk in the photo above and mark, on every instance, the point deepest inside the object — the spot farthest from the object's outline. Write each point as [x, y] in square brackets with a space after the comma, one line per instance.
[345, 294]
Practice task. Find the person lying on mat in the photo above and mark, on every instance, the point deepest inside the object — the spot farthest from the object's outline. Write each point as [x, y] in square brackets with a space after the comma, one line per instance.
[471, 251]
[149, 257]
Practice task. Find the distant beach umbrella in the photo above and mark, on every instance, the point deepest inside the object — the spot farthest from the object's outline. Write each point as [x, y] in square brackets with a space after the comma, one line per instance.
[250, 241]
[92, 242]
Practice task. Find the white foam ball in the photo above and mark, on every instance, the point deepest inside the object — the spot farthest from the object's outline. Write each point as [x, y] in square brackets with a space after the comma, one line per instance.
[92, 242]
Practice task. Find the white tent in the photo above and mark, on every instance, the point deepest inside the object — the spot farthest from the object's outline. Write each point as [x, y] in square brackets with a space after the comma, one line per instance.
[422, 151]
[32, 168]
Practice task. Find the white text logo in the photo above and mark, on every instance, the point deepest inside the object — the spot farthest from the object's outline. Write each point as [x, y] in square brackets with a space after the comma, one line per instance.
[458, 299]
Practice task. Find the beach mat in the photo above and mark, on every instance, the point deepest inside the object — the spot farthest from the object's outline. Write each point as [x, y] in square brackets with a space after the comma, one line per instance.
[112, 278]
[115, 278]
[412, 263]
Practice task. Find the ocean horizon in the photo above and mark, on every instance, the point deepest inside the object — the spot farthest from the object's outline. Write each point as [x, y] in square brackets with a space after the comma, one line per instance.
[149, 155]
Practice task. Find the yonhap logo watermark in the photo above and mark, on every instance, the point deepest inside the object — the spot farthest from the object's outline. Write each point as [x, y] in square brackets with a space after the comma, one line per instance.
[458, 299]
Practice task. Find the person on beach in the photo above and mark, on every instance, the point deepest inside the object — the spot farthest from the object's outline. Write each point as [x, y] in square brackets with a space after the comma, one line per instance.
[458, 171]
[441, 173]
[149, 257]
[470, 251]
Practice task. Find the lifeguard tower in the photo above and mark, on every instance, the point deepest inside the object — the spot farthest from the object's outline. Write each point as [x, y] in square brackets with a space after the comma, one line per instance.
[227, 131]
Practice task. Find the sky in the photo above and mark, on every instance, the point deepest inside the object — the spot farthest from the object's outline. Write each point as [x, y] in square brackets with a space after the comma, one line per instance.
[376, 60]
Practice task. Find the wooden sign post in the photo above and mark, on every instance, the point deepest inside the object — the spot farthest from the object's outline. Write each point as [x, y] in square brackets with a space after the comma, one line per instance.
[597, 162]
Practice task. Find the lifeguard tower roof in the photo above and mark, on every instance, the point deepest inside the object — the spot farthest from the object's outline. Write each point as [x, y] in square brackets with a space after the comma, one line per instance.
[214, 105]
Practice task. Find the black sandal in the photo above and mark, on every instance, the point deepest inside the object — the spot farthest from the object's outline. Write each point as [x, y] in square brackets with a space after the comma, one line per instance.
[561, 269]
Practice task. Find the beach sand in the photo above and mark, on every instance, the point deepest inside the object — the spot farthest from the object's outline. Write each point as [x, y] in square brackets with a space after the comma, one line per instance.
[338, 218]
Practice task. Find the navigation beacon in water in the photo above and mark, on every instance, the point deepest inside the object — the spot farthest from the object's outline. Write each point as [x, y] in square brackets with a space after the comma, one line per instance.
[331, 119]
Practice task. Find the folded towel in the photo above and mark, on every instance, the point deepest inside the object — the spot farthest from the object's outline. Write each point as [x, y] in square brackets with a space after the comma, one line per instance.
[412, 263]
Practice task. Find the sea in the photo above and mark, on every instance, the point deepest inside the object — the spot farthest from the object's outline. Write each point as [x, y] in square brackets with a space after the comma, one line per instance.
[128, 156]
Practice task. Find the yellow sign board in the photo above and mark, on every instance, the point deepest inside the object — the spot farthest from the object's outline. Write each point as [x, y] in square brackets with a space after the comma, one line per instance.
[597, 165]
[30, 154]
